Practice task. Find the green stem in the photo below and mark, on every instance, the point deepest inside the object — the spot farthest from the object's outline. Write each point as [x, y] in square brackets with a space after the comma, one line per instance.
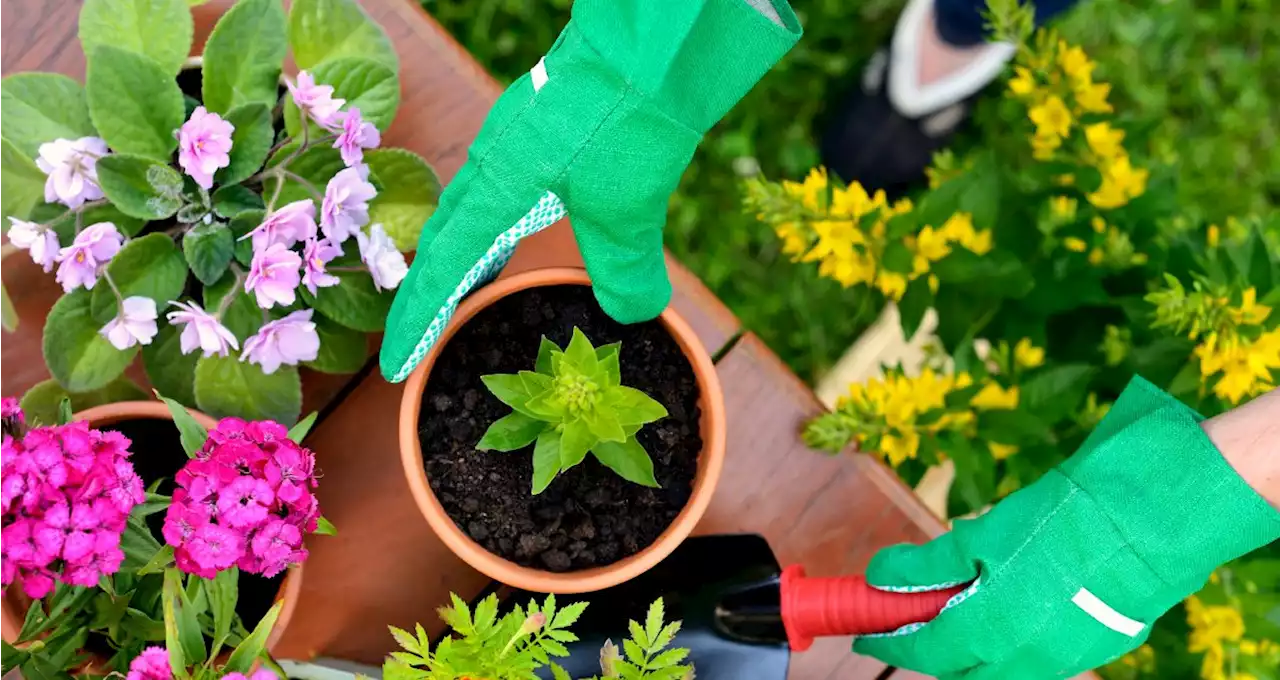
[315, 193]
[115, 289]
[347, 269]
[226, 300]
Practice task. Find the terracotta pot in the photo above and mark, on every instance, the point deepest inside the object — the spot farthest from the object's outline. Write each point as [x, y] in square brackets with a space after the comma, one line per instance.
[15, 603]
[710, 462]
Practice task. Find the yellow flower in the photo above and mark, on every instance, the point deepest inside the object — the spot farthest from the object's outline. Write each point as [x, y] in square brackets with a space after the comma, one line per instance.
[1104, 140]
[1096, 256]
[1074, 244]
[794, 240]
[1248, 648]
[854, 202]
[1214, 236]
[892, 284]
[1211, 667]
[1001, 451]
[848, 269]
[1063, 207]
[1074, 62]
[932, 244]
[1043, 146]
[1099, 225]
[1121, 182]
[1066, 180]
[1027, 355]
[933, 283]
[1245, 366]
[993, 396]
[1250, 312]
[813, 192]
[1091, 97]
[959, 229]
[1052, 117]
[1023, 82]
[898, 448]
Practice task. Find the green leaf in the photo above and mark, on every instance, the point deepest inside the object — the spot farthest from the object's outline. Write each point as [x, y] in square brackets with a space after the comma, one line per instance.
[568, 615]
[407, 197]
[634, 651]
[42, 107]
[137, 544]
[181, 629]
[242, 316]
[208, 249]
[321, 30]
[628, 459]
[77, 355]
[355, 302]
[243, 56]
[193, 433]
[222, 590]
[170, 371]
[250, 142]
[133, 102]
[21, 182]
[325, 528]
[8, 313]
[40, 403]
[230, 201]
[316, 166]
[633, 407]
[975, 482]
[580, 354]
[575, 441]
[155, 503]
[546, 460]
[511, 432]
[342, 349]
[545, 406]
[225, 386]
[998, 272]
[366, 84]
[405, 640]
[509, 389]
[545, 349]
[913, 305]
[243, 223]
[299, 432]
[1013, 427]
[535, 383]
[1055, 392]
[140, 187]
[604, 425]
[150, 266]
[609, 360]
[557, 673]
[159, 562]
[64, 411]
[897, 257]
[253, 646]
[159, 29]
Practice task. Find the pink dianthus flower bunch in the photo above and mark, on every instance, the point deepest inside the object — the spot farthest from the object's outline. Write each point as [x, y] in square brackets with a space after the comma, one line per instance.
[67, 491]
[244, 500]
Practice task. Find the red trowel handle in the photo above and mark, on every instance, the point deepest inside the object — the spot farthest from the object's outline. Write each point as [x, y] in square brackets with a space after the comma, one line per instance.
[846, 605]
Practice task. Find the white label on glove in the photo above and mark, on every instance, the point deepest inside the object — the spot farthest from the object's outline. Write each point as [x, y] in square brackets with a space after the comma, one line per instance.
[1104, 614]
[539, 74]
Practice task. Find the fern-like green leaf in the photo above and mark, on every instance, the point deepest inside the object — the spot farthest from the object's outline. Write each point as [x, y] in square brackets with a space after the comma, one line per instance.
[665, 637]
[549, 608]
[408, 659]
[486, 613]
[637, 634]
[558, 673]
[635, 653]
[424, 642]
[407, 641]
[562, 636]
[553, 648]
[569, 615]
[653, 624]
[668, 658]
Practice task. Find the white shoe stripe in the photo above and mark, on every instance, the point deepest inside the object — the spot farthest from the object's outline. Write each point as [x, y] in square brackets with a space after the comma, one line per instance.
[1105, 615]
[539, 74]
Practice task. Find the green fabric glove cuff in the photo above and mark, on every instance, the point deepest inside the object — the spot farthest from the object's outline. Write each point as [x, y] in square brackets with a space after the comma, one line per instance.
[724, 47]
[1177, 502]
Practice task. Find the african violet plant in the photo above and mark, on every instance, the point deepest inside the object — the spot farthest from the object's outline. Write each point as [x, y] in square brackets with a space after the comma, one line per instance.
[522, 641]
[572, 403]
[270, 227]
[76, 541]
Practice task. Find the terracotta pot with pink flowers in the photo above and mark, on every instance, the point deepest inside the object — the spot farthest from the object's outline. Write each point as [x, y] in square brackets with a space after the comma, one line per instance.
[148, 540]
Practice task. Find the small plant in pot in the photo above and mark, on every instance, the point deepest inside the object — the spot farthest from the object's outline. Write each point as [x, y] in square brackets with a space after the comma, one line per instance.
[105, 567]
[227, 226]
[555, 449]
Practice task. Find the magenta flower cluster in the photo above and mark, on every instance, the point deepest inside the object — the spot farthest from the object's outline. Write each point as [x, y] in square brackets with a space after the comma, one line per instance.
[245, 499]
[151, 664]
[67, 492]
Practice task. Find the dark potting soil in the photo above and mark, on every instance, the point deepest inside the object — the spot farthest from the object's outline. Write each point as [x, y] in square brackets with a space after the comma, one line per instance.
[157, 454]
[588, 516]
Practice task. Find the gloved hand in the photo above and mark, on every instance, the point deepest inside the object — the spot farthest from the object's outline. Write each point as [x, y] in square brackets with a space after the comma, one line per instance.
[1070, 572]
[604, 126]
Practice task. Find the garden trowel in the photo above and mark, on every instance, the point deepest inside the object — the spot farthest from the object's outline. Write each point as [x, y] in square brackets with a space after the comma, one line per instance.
[743, 615]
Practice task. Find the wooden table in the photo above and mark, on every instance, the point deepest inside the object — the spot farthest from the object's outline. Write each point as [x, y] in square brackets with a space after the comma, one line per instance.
[830, 514]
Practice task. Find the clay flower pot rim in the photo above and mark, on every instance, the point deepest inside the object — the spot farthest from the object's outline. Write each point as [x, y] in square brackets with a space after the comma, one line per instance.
[107, 414]
[710, 460]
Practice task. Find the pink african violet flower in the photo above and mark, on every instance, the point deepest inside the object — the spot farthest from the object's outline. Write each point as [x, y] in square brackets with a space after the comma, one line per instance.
[245, 499]
[385, 262]
[39, 241]
[346, 203]
[136, 323]
[273, 276]
[287, 225]
[316, 101]
[201, 329]
[315, 255]
[290, 340]
[356, 136]
[204, 143]
[82, 261]
[151, 664]
[72, 167]
[68, 491]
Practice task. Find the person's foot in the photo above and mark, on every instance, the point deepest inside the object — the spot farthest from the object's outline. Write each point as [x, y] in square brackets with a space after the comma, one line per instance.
[910, 99]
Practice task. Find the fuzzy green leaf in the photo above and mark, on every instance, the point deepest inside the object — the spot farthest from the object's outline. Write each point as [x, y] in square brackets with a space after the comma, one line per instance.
[546, 460]
[250, 141]
[631, 406]
[511, 432]
[545, 349]
[324, 30]
[76, 353]
[667, 635]
[40, 403]
[42, 107]
[193, 433]
[21, 182]
[355, 302]
[159, 29]
[149, 266]
[316, 166]
[230, 201]
[407, 197]
[140, 187]
[225, 386]
[208, 249]
[170, 371]
[628, 459]
[365, 84]
[342, 350]
[243, 56]
[134, 103]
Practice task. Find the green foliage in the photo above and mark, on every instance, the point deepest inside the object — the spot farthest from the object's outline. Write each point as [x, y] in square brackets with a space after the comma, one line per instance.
[78, 357]
[324, 30]
[514, 645]
[134, 104]
[41, 402]
[355, 302]
[250, 141]
[42, 107]
[342, 349]
[226, 386]
[21, 182]
[140, 187]
[365, 83]
[571, 404]
[243, 56]
[159, 29]
[208, 249]
[193, 433]
[150, 266]
[408, 197]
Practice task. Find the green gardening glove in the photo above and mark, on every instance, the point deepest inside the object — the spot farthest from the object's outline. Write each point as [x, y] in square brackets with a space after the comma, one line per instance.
[602, 127]
[1070, 572]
